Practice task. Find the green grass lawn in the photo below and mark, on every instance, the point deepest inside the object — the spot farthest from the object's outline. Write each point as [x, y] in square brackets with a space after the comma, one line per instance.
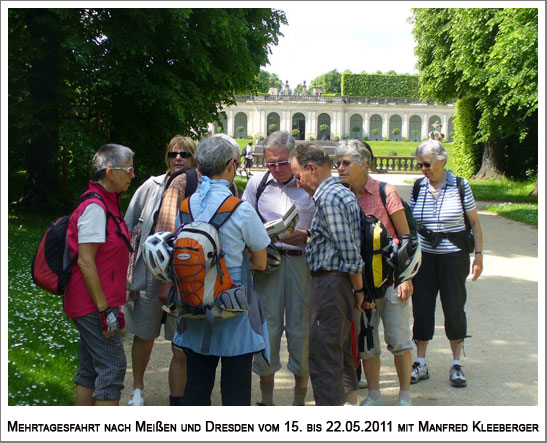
[522, 212]
[42, 341]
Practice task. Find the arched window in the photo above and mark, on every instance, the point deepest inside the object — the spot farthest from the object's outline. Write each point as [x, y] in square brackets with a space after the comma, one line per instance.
[375, 127]
[415, 128]
[323, 132]
[356, 126]
[395, 127]
[272, 123]
[299, 122]
[240, 125]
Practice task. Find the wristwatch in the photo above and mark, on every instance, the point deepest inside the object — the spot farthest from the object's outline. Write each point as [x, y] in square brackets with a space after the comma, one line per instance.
[478, 252]
[358, 291]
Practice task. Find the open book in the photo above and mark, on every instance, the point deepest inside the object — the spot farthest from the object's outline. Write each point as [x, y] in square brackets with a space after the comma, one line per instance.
[283, 226]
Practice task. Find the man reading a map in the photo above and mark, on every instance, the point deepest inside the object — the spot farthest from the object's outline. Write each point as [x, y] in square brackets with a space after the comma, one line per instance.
[284, 291]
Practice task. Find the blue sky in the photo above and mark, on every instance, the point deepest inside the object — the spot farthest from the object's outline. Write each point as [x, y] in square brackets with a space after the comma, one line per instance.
[359, 36]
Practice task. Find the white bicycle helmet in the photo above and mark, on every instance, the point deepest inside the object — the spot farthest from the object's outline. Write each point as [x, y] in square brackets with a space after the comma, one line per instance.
[409, 258]
[157, 253]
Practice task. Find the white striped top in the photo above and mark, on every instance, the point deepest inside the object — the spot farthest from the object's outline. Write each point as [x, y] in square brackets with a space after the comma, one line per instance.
[443, 213]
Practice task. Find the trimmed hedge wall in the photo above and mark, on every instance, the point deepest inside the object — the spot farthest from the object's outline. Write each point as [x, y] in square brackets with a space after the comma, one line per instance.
[467, 153]
[381, 85]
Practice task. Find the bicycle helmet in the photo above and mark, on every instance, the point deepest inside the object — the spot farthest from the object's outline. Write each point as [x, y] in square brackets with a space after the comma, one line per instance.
[157, 252]
[273, 260]
[409, 258]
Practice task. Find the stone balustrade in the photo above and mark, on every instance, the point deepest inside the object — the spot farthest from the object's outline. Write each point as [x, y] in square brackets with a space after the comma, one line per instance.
[383, 164]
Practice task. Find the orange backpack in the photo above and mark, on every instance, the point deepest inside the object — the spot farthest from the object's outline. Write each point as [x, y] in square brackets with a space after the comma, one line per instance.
[203, 284]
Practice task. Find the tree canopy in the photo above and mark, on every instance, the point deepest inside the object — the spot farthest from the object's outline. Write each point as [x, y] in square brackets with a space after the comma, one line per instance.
[79, 78]
[489, 56]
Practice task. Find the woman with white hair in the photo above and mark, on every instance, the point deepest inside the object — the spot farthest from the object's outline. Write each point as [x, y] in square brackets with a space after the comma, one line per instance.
[440, 203]
[243, 239]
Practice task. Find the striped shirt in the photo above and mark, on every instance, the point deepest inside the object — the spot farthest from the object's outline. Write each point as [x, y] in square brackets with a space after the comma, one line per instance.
[442, 214]
[276, 200]
[335, 230]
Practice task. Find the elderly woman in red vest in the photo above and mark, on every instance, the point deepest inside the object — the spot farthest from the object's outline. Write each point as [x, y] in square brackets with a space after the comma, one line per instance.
[98, 236]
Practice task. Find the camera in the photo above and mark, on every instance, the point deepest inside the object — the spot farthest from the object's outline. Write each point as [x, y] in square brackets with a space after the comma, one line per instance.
[433, 238]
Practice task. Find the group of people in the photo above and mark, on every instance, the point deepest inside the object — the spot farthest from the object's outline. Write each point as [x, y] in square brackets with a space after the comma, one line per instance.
[309, 285]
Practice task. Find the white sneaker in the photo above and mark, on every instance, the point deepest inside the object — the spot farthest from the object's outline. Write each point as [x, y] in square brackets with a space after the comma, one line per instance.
[363, 382]
[137, 398]
[419, 372]
[369, 401]
[457, 377]
[402, 402]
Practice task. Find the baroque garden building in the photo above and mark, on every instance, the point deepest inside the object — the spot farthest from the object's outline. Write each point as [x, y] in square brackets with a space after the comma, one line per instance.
[346, 117]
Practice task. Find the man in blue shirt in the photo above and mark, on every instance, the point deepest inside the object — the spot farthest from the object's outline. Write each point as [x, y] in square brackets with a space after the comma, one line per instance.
[332, 254]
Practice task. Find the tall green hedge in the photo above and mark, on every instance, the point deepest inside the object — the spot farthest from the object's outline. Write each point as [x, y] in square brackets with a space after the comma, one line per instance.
[466, 152]
[381, 85]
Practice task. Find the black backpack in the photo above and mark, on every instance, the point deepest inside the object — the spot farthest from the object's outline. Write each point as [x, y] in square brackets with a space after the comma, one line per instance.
[408, 212]
[377, 251]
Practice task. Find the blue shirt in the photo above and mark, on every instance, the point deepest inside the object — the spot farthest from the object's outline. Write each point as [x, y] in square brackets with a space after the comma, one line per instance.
[442, 214]
[335, 230]
[245, 333]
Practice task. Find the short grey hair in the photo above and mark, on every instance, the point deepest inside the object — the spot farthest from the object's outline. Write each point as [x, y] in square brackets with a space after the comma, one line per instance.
[355, 148]
[110, 156]
[433, 147]
[214, 153]
[305, 154]
[280, 138]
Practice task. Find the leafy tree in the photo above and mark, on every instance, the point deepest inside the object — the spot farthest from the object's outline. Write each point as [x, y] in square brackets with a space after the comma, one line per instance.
[324, 128]
[355, 130]
[295, 132]
[83, 77]
[375, 132]
[272, 127]
[265, 80]
[491, 56]
[331, 82]
[414, 132]
[396, 132]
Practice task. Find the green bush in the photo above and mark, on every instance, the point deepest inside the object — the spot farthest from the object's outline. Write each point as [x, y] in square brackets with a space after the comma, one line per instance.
[365, 139]
[311, 138]
[260, 137]
[405, 139]
[336, 138]
[380, 85]
[466, 151]
[386, 139]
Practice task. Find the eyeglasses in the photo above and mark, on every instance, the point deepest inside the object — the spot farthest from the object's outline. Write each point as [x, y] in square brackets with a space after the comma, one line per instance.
[345, 163]
[183, 154]
[127, 169]
[424, 165]
[236, 163]
[281, 164]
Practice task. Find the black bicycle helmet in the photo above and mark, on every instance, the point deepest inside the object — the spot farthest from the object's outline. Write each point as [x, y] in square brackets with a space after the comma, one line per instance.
[273, 260]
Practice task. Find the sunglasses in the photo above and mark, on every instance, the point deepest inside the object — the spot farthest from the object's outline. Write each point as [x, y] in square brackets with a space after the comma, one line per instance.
[173, 154]
[346, 163]
[424, 165]
[273, 165]
[236, 163]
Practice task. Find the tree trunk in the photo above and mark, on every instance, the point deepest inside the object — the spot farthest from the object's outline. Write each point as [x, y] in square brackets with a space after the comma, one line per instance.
[42, 163]
[534, 192]
[491, 161]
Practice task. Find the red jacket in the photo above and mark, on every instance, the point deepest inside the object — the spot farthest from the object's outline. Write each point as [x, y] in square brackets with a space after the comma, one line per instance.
[112, 257]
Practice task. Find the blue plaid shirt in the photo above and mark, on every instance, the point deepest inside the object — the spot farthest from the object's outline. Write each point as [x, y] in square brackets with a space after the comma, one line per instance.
[335, 230]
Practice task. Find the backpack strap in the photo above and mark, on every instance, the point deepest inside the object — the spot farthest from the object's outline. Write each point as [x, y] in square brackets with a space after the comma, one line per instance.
[383, 194]
[185, 213]
[260, 189]
[416, 188]
[191, 181]
[224, 211]
[461, 191]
